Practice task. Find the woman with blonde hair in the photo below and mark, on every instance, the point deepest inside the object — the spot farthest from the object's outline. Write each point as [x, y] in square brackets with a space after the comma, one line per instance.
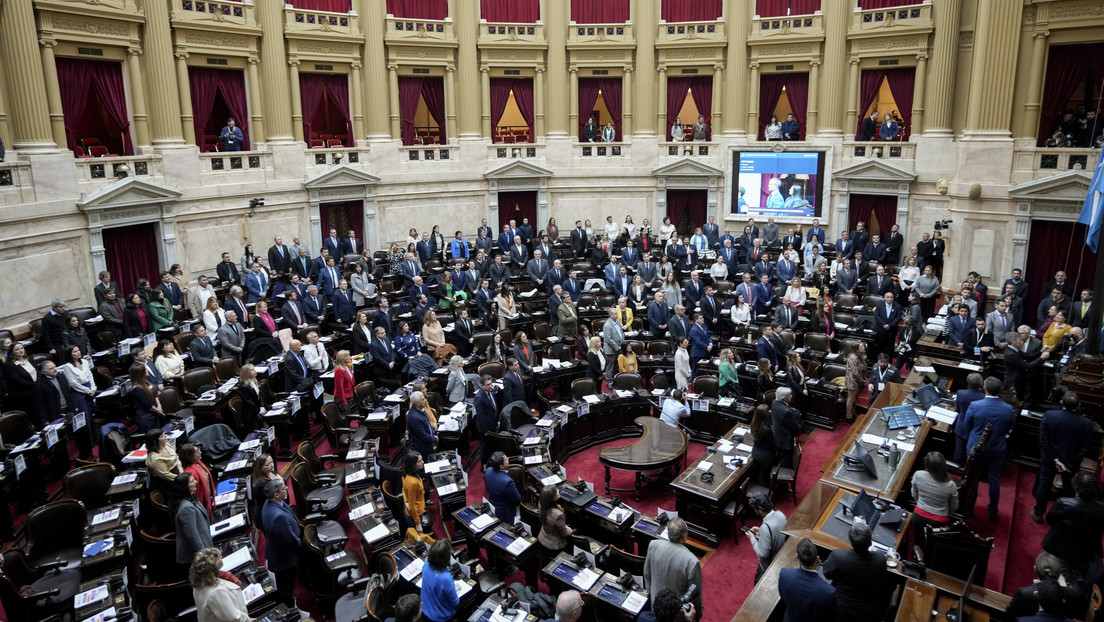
[343, 379]
[729, 377]
[433, 334]
[217, 594]
[252, 408]
[796, 292]
[596, 361]
[457, 388]
[506, 306]
[214, 316]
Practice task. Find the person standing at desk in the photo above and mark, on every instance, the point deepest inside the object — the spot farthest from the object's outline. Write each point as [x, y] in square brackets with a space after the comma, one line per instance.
[669, 564]
[502, 491]
[1063, 443]
[863, 584]
[936, 497]
[808, 597]
[785, 425]
[981, 413]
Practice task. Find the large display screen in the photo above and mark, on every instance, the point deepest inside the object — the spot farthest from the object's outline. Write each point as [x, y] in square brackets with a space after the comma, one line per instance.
[778, 184]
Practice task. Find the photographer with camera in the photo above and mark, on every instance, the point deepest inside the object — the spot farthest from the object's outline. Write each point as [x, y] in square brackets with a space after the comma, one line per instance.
[668, 606]
[767, 539]
[669, 564]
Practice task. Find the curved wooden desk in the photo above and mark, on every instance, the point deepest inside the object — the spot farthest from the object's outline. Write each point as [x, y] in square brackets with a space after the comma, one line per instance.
[660, 447]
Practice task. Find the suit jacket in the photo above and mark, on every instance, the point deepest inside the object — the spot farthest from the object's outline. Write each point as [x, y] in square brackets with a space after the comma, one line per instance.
[894, 242]
[409, 270]
[297, 376]
[578, 241]
[1021, 288]
[498, 272]
[343, 306]
[537, 270]
[1076, 319]
[503, 494]
[869, 129]
[886, 314]
[486, 412]
[231, 341]
[658, 315]
[785, 425]
[710, 309]
[279, 258]
[1076, 530]
[699, 341]
[351, 246]
[863, 584]
[731, 258]
[963, 399]
[513, 389]
[315, 307]
[807, 596]
[113, 316]
[327, 282]
[1064, 435]
[817, 231]
[289, 311]
[692, 293]
[281, 529]
[101, 292]
[985, 411]
[671, 565]
[678, 326]
[505, 241]
[574, 288]
[765, 350]
[47, 402]
[172, 293]
[956, 331]
[874, 289]
[383, 354]
[519, 255]
[333, 245]
[257, 284]
[193, 531]
[202, 351]
[421, 432]
[972, 340]
[1017, 365]
[612, 336]
[301, 266]
[228, 272]
[237, 305]
[787, 315]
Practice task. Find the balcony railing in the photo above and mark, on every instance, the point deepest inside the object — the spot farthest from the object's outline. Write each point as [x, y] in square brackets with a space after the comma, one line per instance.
[202, 12]
[321, 23]
[1044, 161]
[787, 27]
[235, 166]
[600, 151]
[336, 155]
[689, 148]
[520, 151]
[491, 33]
[684, 32]
[872, 21]
[414, 30]
[889, 150]
[428, 153]
[16, 183]
[116, 167]
[583, 34]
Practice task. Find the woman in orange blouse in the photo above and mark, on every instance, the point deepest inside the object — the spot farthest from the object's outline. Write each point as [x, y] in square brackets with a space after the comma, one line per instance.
[413, 489]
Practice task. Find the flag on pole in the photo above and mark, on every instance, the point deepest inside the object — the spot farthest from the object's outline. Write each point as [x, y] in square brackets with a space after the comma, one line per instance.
[1092, 213]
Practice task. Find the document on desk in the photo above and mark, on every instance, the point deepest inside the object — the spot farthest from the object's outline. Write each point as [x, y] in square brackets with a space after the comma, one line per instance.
[94, 595]
[634, 602]
[358, 454]
[518, 546]
[225, 498]
[237, 559]
[412, 570]
[378, 532]
[102, 616]
[462, 588]
[104, 517]
[969, 366]
[876, 440]
[252, 592]
[447, 490]
[363, 510]
[356, 477]
[235, 521]
[482, 521]
[591, 399]
[705, 466]
[585, 579]
[439, 466]
[124, 479]
[531, 440]
[924, 369]
[942, 415]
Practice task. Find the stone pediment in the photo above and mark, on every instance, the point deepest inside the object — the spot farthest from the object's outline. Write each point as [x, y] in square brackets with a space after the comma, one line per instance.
[518, 169]
[340, 176]
[687, 167]
[875, 169]
[129, 192]
[1070, 186]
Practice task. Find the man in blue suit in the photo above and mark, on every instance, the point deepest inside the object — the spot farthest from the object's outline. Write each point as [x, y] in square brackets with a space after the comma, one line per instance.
[505, 239]
[700, 343]
[765, 349]
[484, 230]
[629, 255]
[314, 305]
[572, 286]
[958, 325]
[172, 291]
[343, 306]
[611, 271]
[991, 410]
[328, 278]
[256, 281]
[502, 492]
[281, 529]
[808, 597]
[972, 393]
[1064, 441]
[409, 270]
[712, 231]
[844, 247]
[730, 256]
[622, 285]
[764, 267]
[417, 290]
[887, 315]
[785, 269]
[319, 263]
[424, 248]
[333, 243]
[816, 230]
[658, 315]
[694, 290]
[487, 418]
[764, 295]
[417, 424]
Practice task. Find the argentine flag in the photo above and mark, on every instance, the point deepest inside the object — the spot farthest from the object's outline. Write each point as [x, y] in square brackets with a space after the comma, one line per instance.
[1093, 211]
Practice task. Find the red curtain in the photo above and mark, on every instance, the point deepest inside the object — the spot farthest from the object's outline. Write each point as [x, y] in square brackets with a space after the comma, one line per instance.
[1067, 68]
[353, 218]
[500, 96]
[205, 85]
[869, 84]
[866, 5]
[797, 92]
[523, 97]
[588, 97]
[78, 78]
[333, 6]
[676, 95]
[419, 9]
[1056, 246]
[770, 91]
[131, 254]
[599, 11]
[433, 92]
[778, 8]
[410, 91]
[861, 206]
[901, 84]
[691, 10]
[701, 89]
[317, 89]
[510, 11]
[688, 203]
[517, 205]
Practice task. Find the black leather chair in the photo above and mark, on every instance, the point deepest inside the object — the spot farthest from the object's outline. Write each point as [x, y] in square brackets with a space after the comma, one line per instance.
[338, 431]
[659, 348]
[706, 386]
[328, 577]
[317, 464]
[581, 387]
[55, 531]
[88, 484]
[627, 381]
[313, 496]
[160, 557]
[19, 599]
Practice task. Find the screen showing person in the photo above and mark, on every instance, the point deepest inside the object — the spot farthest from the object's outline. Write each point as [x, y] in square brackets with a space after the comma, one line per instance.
[778, 184]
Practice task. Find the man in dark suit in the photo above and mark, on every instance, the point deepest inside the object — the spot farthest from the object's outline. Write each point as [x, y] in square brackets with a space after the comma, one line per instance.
[505, 239]
[202, 349]
[879, 283]
[333, 244]
[765, 349]
[573, 286]
[1057, 299]
[875, 250]
[499, 271]
[957, 327]
[1060, 281]
[51, 394]
[315, 306]
[694, 290]
[786, 315]
[343, 306]
[297, 376]
[425, 248]
[484, 229]
[382, 317]
[1020, 285]
[487, 418]
[502, 491]
[228, 270]
[418, 289]
[785, 425]
[1051, 598]
[1049, 567]
[54, 325]
[887, 315]
[863, 584]
[794, 239]
[710, 309]
[537, 268]
[678, 326]
[292, 312]
[329, 277]
[231, 337]
[422, 438]
[1019, 363]
[763, 297]
[319, 263]
[894, 243]
[808, 597]
[869, 128]
[981, 291]
[712, 231]
[972, 393]
[281, 529]
[484, 298]
[578, 240]
[279, 257]
[104, 285]
[1079, 315]
[762, 268]
[519, 255]
[730, 256]
[556, 275]
[978, 342]
[513, 387]
[172, 291]
[659, 315]
[301, 265]
[816, 230]
[1064, 440]
[256, 281]
[844, 246]
[630, 256]
[383, 354]
[991, 410]
[351, 245]
[881, 374]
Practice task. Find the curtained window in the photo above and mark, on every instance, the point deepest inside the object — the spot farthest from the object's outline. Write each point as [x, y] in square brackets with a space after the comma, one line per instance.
[417, 91]
[1074, 75]
[342, 216]
[517, 205]
[691, 10]
[901, 83]
[796, 87]
[93, 102]
[610, 91]
[419, 9]
[333, 6]
[131, 254]
[217, 94]
[599, 11]
[867, 5]
[512, 124]
[511, 11]
[861, 206]
[325, 102]
[779, 8]
[686, 208]
[700, 89]
[1056, 246]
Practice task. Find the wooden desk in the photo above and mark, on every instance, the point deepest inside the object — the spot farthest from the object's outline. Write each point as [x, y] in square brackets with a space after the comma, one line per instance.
[919, 599]
[660, 448]
[817, 508]
[889, 483]
[763, 600]
[989, 599]
[702, 505]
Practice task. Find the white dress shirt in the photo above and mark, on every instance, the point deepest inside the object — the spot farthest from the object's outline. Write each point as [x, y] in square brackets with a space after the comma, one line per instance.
[316, 356]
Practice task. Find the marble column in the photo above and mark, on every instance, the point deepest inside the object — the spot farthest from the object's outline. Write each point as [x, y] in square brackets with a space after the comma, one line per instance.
[661, 104]
[919, 107]
[628, 103]
[166, 128]
[376, 85]
[993, 70]
[358, 105]
[644, 16]
[30, 119]
[274, 72]
[137, 98]
[485, 104]
[941, 75]
[851, 122]
[184, 92]
[296, 101]
[752, 128]
[717, 113]
[466, 23]
[5, 127]
[256, 110]
[837, 16]
[814, 100]
[1034, 105]
[538, 104]
[451, 103]
[737, 24]
[573, 103]
[53, 91]
[555, 27]
[393, 82]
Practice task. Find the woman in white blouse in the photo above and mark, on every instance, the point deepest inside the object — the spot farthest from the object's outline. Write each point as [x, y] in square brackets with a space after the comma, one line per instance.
[796, 292]
[630, 225]
[169, 363]
[719, 270]
[507, 308]
[213, 316]
[362, 286]
[412, 237]
[908, 274]
[666, 230]
[589, 228]
[682, 365]
[78, 372]
[216, 599]
[699, 241]
[611, 228]
[673, 291]
[741, 311]
[676, 131]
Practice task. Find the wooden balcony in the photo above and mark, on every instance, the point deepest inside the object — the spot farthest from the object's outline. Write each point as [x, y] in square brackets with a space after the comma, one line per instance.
[322, 25]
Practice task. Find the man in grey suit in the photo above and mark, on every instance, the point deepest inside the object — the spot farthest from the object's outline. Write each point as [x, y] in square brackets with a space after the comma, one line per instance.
[670, 565]
[537, 269]
[999, 320]
[612, 336]
[231, 336]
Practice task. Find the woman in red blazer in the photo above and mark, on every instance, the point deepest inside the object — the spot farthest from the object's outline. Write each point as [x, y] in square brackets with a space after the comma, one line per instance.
[343, 378]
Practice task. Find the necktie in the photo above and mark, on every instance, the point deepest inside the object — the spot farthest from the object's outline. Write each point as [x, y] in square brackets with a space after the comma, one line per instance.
[1083, 308]
[1004, 325]
[298, 318]
[302, 365]
[281, 249]
[333, 276]
[207, 342]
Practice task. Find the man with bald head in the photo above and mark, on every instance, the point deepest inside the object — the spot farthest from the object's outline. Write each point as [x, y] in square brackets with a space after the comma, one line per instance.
[569, 607]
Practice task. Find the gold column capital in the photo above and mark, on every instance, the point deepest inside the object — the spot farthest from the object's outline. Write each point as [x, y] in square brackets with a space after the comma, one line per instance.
[450, 68]
[922, 56]
[627, 68]
[753, 65]
[392, 66]
[356, 64]
[662, 67]
[815, 62]
[539, 69]
[294, 61]
[718, 66]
